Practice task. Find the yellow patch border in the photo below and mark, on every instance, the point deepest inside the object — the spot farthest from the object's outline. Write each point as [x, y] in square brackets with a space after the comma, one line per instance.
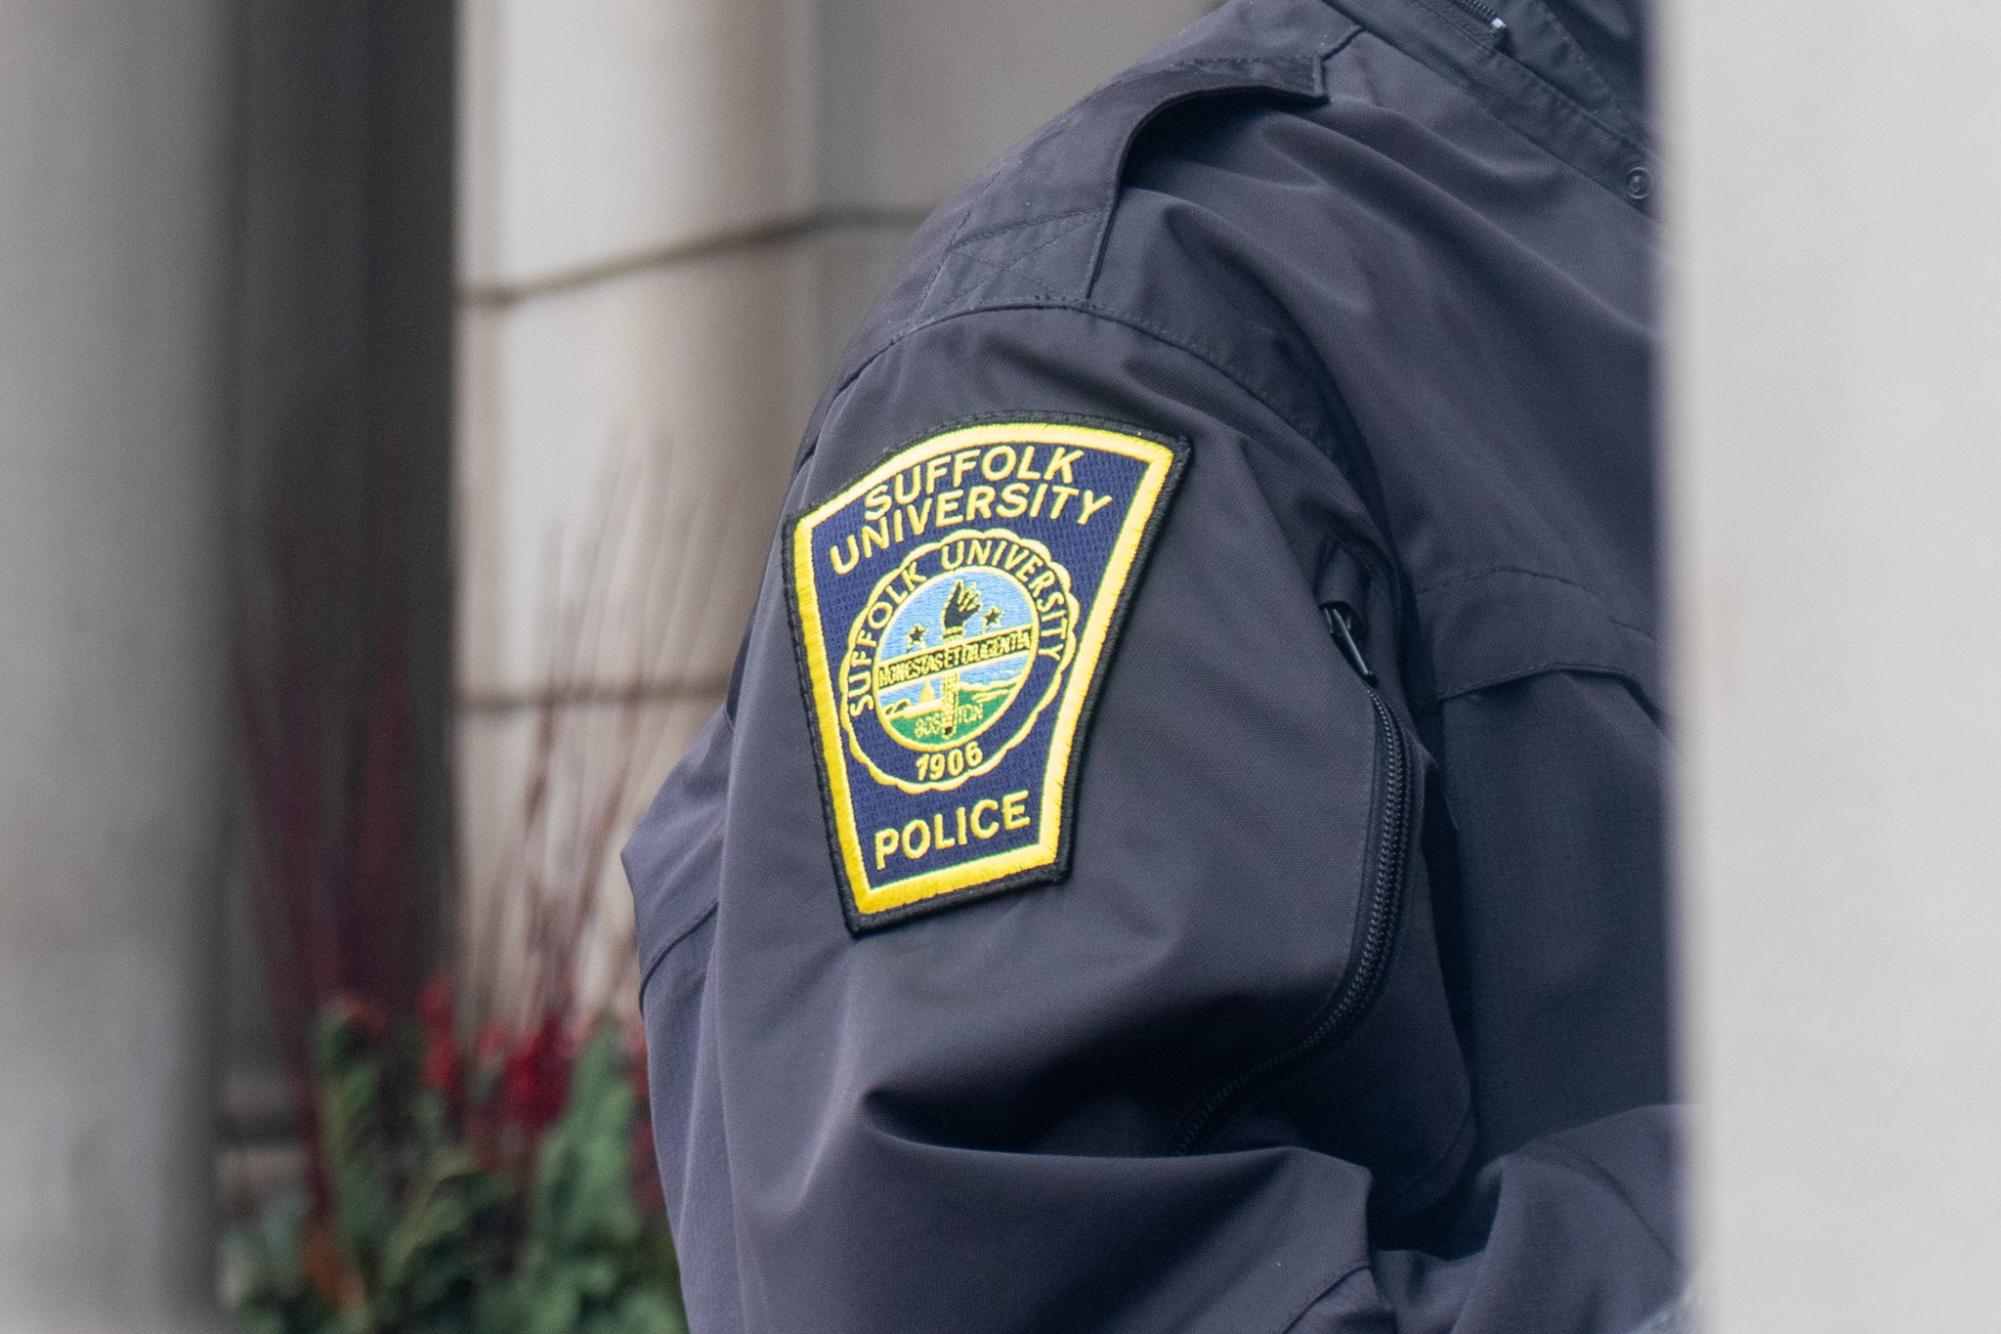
[869, 900]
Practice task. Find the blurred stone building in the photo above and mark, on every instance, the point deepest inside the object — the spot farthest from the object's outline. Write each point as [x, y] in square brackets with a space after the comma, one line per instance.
[465, 286]
[670, 216]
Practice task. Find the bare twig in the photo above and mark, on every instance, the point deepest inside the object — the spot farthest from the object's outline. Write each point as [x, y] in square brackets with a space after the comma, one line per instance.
[625, 599]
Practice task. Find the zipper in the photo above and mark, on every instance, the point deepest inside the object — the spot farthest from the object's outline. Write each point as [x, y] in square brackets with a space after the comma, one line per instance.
[1390, 826]
[1486, 15]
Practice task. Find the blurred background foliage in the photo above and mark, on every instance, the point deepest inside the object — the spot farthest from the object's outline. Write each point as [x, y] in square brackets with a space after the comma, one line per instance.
[476, 1153]
[505, 1187]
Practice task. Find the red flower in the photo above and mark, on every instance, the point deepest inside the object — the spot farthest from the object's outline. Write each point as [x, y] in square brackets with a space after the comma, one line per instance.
[434, 1003]
[443, 1069]
[536, 1080]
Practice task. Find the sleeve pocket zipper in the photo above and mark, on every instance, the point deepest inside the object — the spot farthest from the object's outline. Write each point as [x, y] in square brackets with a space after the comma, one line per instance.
[1390, 819]
[1488, 17]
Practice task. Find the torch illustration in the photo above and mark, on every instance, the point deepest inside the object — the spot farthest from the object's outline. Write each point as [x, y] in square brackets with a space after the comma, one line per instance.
[959, 608]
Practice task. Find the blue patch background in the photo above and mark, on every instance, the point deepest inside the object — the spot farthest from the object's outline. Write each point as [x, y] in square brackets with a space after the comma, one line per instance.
[1084, 551]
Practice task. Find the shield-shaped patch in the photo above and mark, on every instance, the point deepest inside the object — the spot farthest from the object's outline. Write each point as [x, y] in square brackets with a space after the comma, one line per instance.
[954, 611]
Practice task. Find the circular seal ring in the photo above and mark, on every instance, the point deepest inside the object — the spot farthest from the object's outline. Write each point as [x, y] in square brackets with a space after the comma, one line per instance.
[954, 655]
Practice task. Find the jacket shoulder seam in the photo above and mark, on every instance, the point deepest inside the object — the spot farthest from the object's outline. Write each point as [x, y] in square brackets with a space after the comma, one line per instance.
[1257, 73]
[1214, 359]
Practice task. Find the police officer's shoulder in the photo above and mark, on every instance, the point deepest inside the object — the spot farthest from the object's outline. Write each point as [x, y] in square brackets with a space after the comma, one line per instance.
[981, 489]
[1037, 227]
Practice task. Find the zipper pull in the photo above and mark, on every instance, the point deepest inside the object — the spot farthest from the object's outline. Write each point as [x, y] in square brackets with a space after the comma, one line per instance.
[1488, 17]
[1340, 618]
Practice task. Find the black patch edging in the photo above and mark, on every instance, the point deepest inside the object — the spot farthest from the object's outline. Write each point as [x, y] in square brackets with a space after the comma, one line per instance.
[859, 923]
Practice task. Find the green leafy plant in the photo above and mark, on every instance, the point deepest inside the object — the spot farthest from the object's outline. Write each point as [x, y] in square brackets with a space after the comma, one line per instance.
[504, 1189]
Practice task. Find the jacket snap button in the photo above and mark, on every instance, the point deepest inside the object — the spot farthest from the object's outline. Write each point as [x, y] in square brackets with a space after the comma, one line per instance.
[1639, 183]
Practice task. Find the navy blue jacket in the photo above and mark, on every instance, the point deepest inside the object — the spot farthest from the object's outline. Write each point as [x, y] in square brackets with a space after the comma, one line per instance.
[1183, 850]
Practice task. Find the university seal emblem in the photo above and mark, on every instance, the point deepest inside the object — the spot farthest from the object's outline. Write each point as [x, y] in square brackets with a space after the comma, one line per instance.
[955, 609]
[953, 658]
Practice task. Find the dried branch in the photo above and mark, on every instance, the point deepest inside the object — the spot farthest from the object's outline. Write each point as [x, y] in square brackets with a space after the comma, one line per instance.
[621, 606]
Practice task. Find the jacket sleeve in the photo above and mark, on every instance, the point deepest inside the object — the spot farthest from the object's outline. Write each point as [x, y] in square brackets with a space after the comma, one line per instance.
[1204, 1080]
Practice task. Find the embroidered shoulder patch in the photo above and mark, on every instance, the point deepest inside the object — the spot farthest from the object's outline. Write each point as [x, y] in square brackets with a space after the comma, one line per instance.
[954, 611]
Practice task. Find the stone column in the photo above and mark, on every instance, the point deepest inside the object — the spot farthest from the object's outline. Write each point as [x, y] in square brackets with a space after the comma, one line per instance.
[116, 211]
[1836, 415]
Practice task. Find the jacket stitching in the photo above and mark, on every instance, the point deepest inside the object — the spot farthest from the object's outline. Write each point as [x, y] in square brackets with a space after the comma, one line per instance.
[1578, 1164]
[1320, 1296]
[1489, 56]
[973, 204]
[1209, 358]
[1591, 72]
[1486, 98]
[979, 279]
[997, 228]
[1014, 265]
[1527, 573]
[1625, 672]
